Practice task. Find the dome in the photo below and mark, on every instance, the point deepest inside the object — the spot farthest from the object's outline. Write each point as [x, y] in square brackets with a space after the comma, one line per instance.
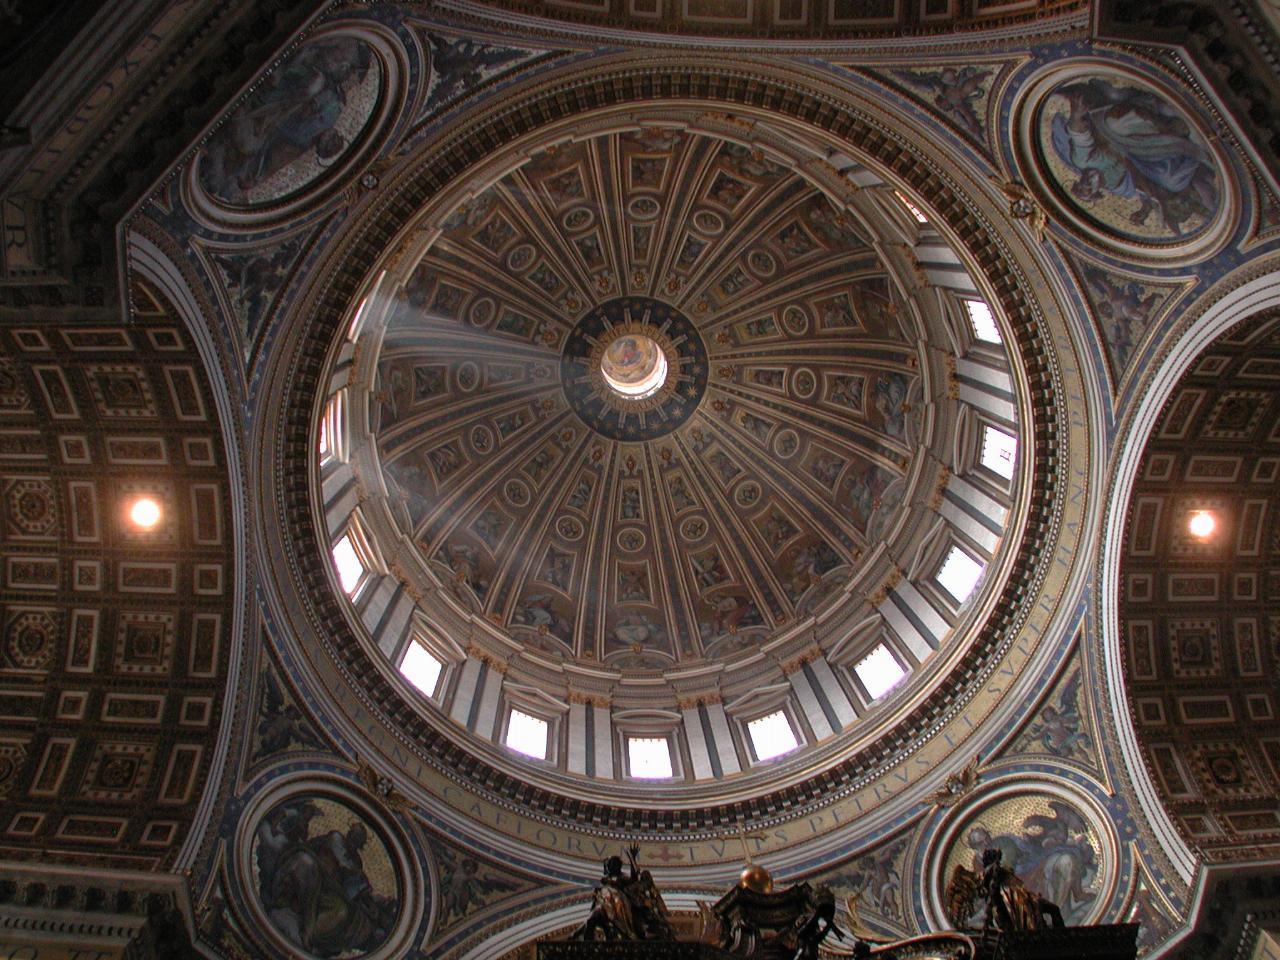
[448, 446]
[662, 419]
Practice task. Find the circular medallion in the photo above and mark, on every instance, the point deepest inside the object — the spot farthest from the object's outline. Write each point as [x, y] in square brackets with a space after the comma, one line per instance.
[279, 141]
[747, 494]
[762, 264]
[325, 878]
[517, 493]
[634, 368]
[804, 383]
[708, 222]
[303, 129]
[695, 528]
[578, 219]
[631, 540]
[468, 376]
[1047, 834]
[796, 321]
[481, 311]
[521, 257]
[569, 528]
[786, 443]
[644, 208]
[1125, 161]
[481, 439]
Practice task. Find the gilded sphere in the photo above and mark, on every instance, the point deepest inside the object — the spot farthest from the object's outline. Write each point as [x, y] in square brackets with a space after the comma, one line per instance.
[755, 877]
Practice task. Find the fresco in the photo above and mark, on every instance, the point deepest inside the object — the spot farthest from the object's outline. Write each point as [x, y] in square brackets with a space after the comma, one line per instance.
[324, 878]
[460, 64]
[301, 119]
[1061, 727]
[961, 93]
[1125, 309]
[252, 278]
[468, 884]
[1128, 159]
[874, 880]
[1046, 841]
[281, 725]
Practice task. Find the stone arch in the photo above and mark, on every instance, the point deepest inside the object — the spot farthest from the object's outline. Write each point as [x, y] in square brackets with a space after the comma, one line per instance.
[1252, 300]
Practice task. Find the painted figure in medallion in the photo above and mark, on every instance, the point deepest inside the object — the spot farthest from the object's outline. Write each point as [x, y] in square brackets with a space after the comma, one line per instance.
[1129, 144]
[1046, 842]
[326, 883]
[301, 119]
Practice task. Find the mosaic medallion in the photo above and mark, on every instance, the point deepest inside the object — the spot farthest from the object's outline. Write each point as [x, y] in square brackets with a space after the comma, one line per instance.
[634, 368]
[1053, 844]
[295, 124]
[325, 877]
[1125, 161]
[1129, 157]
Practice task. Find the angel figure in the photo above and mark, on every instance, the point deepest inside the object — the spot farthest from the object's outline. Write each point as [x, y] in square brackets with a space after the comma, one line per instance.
[281, 724]
[955, 89]
[956, 785]
[1022, 206]
[1011, 904]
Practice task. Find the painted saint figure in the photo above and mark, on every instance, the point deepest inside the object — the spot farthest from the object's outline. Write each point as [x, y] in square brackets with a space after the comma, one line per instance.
[1129, 143]
[292, 117]
[1050, 852]
[314, 887]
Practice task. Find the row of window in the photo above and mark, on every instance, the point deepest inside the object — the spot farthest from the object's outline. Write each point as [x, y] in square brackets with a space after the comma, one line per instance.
[959, 574]
[772, 735]
[650, 757]
[981, 319]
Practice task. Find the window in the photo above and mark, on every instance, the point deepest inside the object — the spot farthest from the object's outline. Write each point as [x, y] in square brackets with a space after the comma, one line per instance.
[351, 569]
[959, 574]
[527, 735]
[649, 758]
[331, 439]
[772, 736]
[879, 672]
[421, 669]
[982, 321]
[915, 211]
[357, 321]
[999, 451]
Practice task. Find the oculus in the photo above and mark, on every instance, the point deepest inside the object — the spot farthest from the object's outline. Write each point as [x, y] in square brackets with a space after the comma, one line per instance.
[634, 368]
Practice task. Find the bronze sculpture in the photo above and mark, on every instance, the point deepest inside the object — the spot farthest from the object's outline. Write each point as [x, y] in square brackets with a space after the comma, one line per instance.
[626, 907]
[754, 920]
[1011, 905]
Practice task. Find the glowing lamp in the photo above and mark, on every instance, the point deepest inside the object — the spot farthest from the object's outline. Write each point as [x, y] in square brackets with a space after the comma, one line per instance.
[1202, 524]
[144, 513]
